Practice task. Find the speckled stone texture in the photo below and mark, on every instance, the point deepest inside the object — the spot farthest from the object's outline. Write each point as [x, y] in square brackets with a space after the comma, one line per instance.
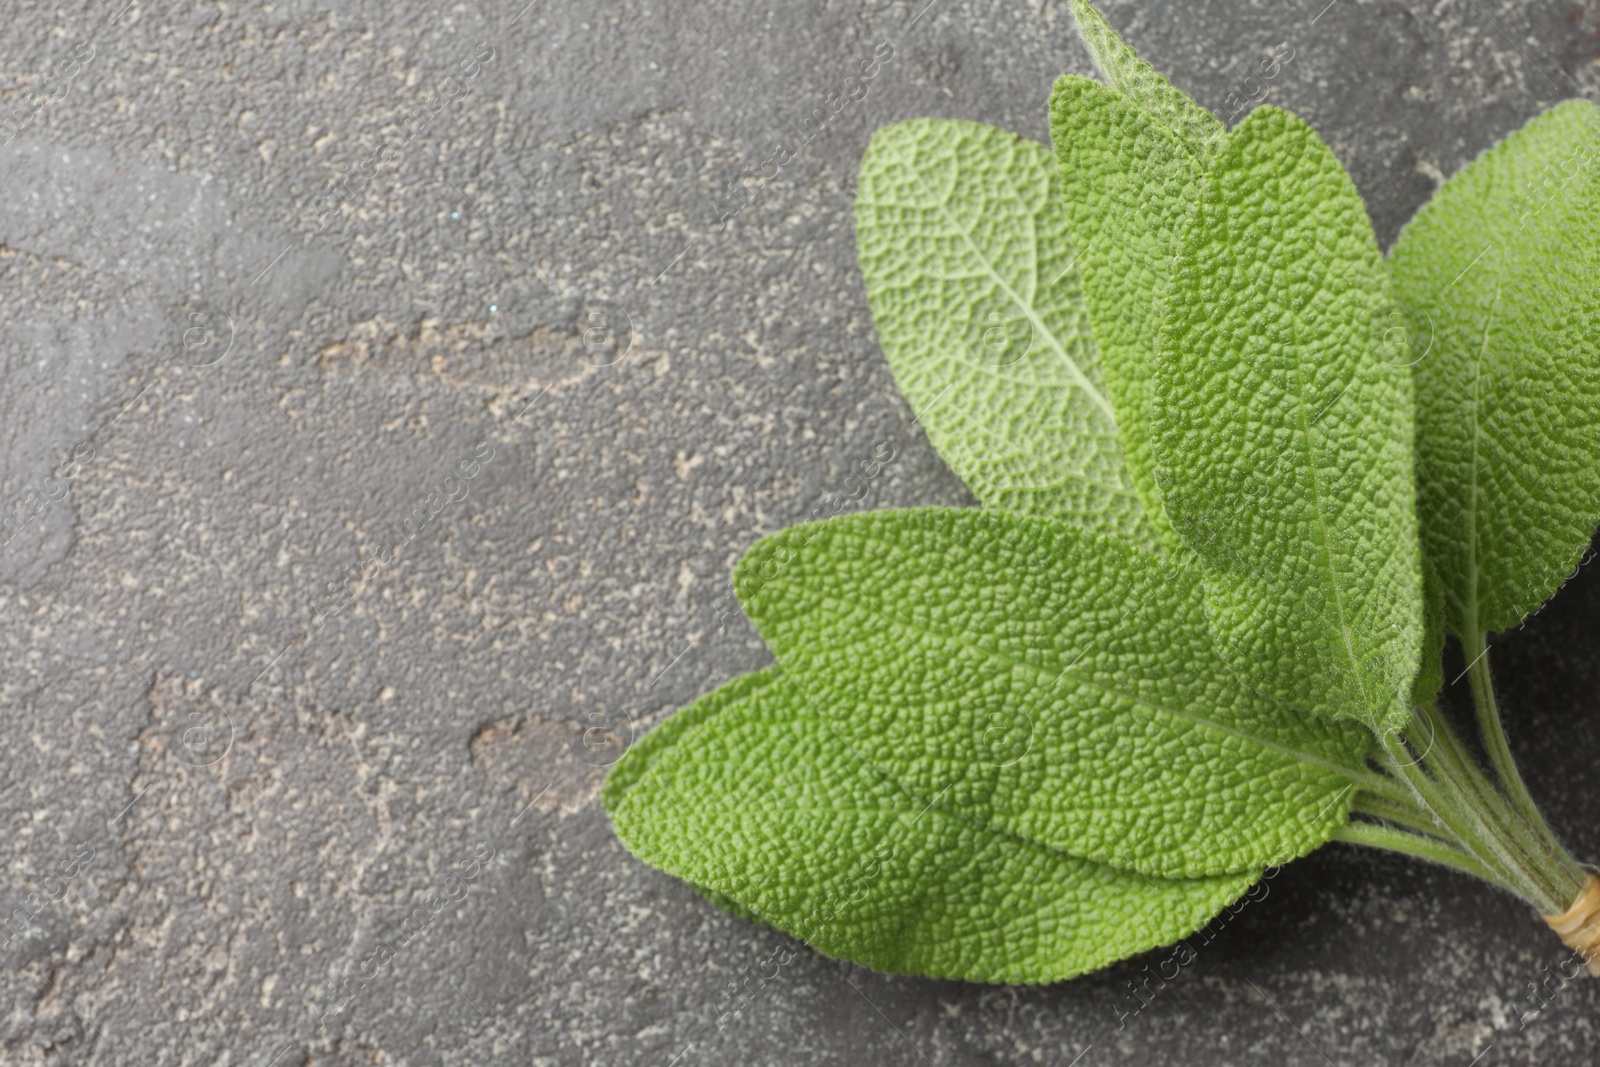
[388, 389]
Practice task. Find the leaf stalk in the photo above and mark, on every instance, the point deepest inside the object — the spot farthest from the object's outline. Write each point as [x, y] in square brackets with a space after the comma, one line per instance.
[1459, 817]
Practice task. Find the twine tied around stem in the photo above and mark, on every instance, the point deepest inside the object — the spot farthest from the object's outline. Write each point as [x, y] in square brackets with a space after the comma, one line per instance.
[1579, 926]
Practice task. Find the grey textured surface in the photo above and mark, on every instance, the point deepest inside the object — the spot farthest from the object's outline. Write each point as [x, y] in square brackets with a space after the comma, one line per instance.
[248, 376]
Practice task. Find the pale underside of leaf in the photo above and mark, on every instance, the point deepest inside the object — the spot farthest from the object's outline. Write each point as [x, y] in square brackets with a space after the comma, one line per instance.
[1283, 434]
[1047, 682]
[977, 301]
[754, 797]
[1129, 186]
[1497, 276]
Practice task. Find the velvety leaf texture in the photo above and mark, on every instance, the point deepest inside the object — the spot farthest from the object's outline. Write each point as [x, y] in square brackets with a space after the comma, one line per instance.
[1283, 430]
[1129, 186]
[1497, 276]
[754, 797]
[1048, 682]
[1430, 672]
[638, 760]
[969, 270]
[1198, 130]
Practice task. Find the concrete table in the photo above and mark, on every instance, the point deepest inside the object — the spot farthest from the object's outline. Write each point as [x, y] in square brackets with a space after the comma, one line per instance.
[388, 389]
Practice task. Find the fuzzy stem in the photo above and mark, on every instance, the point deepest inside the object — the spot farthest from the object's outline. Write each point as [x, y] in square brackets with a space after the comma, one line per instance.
[1407, 814]
[1471, 814]
[1428, 848]
[1374, 783]
[1493, 731]
[1445, 800]
[1460, 817]
[1569, 876]
[1457, 766]
[1541, 856]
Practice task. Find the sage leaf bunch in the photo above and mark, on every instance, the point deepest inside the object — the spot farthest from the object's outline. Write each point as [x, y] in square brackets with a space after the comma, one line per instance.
[1240, 475]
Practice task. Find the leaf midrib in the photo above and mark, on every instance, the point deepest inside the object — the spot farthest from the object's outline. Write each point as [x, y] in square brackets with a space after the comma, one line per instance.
[1471, 607]
[1295, 754]
[940, 205]
[1324, 536]
[658, 772]
[655, 771]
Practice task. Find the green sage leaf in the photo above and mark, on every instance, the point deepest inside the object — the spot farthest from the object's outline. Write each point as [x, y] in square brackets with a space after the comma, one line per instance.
[753, 796]
[1283, 430]
[1199, 131]
[1497, 276]
[969, 269]
[1129, 186]
[1049, 682]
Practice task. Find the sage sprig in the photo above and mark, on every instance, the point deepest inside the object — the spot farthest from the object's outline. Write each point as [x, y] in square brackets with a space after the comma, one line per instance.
[1239, 476]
